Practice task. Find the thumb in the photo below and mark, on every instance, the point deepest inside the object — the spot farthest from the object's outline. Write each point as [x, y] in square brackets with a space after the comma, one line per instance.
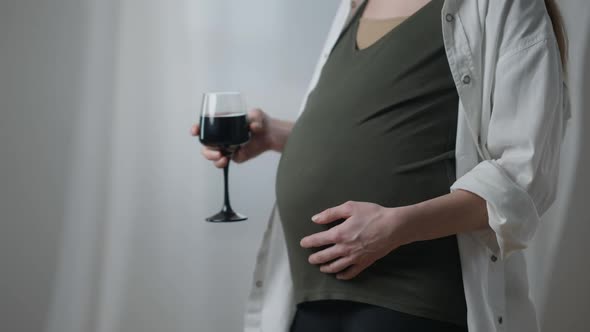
[257, 119]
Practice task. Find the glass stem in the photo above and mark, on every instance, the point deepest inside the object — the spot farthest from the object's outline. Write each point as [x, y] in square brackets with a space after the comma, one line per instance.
[226, 204]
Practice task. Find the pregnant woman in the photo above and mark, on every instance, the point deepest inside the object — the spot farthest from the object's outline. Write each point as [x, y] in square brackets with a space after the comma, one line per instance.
[417, 171]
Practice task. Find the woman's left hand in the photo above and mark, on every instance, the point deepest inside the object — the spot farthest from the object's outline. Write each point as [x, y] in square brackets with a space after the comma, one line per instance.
[369, 232]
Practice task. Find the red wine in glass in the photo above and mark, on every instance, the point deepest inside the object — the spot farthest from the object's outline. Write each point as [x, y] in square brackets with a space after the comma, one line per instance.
[224, 130]
[224, 127]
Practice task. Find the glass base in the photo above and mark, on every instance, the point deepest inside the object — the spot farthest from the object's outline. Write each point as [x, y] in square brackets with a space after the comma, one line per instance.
[226, 216]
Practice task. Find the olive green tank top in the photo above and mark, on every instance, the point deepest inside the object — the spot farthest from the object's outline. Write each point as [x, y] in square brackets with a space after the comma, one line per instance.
[380, 127]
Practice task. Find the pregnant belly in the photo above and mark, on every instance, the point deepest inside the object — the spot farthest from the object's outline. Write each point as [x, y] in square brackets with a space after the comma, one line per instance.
[324, 170]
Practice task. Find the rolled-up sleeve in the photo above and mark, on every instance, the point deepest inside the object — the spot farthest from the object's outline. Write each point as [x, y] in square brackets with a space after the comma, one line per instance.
[523, 141]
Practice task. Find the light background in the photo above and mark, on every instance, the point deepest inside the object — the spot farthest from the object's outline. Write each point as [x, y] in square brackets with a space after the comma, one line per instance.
[103, 192]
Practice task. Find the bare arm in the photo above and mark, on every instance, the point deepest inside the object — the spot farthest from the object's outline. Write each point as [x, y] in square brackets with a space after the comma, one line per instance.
[458, 212]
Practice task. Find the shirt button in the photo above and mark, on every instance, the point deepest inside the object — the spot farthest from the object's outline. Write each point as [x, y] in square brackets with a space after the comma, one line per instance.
[466, 79]
[500, 320]
[494, 258]
[449, 18]
[258, 283]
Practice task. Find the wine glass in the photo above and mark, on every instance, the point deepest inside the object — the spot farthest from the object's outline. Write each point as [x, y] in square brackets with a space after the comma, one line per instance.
[224, 127]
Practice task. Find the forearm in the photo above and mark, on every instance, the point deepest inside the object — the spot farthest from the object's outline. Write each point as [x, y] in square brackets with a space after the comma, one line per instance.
[279, 133]
[458, 212]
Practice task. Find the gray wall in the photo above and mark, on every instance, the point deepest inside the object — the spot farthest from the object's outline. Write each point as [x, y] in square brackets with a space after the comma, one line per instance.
[42, 49]
[566, 306]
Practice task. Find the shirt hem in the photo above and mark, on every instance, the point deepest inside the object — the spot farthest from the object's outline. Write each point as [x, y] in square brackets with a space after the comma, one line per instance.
[381, 302]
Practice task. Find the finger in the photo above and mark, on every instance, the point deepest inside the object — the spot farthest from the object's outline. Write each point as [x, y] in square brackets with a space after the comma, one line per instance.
[256, 127]
[328, 254]
[342, 211]
[209, 154]
[195, 130]
[352, 271]
[337, 265]
[256, 119]
[255, 115]
[240, 155]
[321, 239]
[221, 163]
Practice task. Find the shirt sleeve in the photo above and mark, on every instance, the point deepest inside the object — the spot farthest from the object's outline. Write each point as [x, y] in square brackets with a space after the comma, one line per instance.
[524, 137]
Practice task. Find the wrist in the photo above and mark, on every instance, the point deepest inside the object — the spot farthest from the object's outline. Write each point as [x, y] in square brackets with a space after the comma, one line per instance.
[404, 224]
[278, 133]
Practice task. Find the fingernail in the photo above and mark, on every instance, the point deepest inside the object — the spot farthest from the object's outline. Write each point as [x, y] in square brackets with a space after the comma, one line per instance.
[314, 218]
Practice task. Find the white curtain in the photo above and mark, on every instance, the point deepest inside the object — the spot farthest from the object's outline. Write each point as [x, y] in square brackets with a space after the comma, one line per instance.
[103, 192]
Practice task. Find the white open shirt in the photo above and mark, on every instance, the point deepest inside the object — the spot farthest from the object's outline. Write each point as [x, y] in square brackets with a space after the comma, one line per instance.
[513, 108]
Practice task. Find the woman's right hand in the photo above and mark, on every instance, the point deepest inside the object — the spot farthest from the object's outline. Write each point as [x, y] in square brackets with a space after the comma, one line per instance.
[262, 139]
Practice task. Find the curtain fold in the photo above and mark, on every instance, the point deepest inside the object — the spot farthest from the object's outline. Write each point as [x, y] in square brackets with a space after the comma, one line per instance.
[103, 192]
